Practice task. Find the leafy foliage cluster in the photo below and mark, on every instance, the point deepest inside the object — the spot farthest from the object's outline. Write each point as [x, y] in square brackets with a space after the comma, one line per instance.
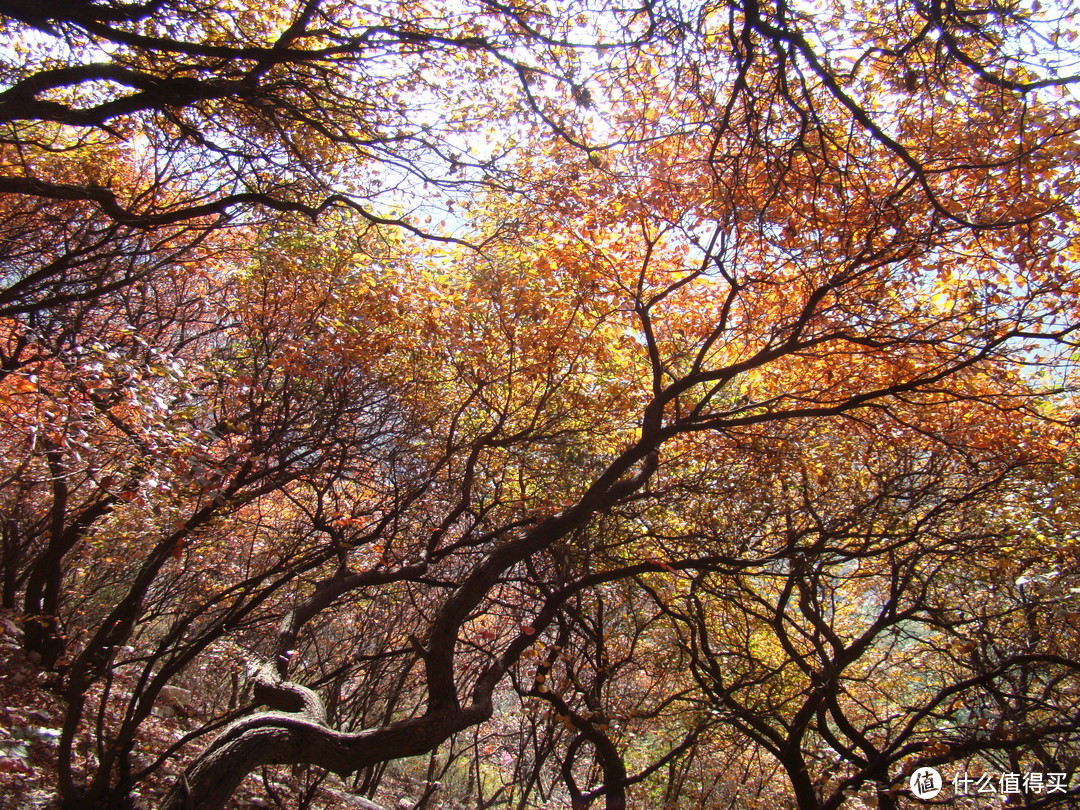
[539, 404]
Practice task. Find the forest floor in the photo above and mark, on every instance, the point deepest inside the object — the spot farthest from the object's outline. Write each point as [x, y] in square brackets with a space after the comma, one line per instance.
[30, 719]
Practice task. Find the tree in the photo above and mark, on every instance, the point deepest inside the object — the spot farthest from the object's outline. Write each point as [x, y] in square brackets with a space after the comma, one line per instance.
[860, 644]
[732, 314]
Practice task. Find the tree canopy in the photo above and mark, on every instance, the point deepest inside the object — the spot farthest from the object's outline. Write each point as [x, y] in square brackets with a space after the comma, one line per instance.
[540, 405]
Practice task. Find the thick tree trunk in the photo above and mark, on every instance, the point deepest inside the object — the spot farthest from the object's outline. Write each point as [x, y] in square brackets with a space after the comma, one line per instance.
[299, 734]
[275, 738]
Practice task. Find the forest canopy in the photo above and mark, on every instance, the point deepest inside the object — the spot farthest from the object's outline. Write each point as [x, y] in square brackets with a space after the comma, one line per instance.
[417, 404]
